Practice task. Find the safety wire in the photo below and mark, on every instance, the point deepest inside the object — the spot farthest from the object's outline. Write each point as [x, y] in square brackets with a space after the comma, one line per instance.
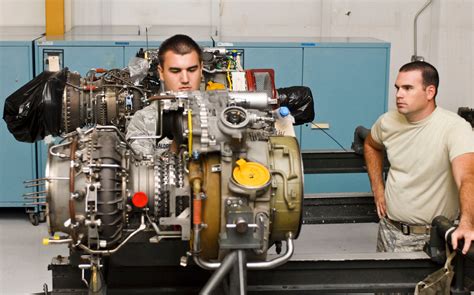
[337, 142]
[229, 63]
[190, 129]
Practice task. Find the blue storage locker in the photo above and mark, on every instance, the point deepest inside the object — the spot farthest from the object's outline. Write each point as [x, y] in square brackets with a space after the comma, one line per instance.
[349, 77]
[17, 158]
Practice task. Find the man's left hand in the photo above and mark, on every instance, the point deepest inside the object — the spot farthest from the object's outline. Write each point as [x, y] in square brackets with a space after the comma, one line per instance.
[463, 232]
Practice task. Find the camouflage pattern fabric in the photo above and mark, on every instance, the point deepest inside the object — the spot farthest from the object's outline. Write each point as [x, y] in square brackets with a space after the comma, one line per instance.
[391, 239]
[144, 123]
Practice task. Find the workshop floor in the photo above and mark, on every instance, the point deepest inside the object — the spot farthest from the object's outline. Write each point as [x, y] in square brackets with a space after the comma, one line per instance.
[24, 260]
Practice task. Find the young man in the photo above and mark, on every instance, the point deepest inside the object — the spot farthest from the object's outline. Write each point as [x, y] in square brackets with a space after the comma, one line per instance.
[180, 69]
[431, 155]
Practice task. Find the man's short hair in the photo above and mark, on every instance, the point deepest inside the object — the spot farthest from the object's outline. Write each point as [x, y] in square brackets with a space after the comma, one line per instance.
[428, 72]
[179, 44]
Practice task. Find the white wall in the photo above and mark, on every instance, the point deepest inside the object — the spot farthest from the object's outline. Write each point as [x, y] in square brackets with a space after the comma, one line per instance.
[22, 13]
[445, 38]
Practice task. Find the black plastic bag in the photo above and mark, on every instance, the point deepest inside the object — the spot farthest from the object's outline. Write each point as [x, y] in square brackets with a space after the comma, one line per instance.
[34, 111]
[299, 100]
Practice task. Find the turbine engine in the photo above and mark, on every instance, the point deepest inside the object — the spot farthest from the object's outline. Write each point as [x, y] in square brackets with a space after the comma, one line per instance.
[233, 182]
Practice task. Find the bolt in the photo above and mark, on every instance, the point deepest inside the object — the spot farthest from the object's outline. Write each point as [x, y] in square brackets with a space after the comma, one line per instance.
[241, 225]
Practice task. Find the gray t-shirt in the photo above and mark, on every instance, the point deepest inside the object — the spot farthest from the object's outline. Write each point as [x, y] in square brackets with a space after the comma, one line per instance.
[420, 183]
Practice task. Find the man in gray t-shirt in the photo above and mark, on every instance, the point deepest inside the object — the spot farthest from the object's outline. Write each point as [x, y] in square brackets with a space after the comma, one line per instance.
[431, 154]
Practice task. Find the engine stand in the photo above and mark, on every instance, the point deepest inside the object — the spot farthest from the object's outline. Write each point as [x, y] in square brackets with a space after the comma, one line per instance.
[233, 265]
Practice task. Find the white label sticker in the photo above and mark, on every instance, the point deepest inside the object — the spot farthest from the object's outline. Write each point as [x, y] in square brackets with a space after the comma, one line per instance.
[53, 61]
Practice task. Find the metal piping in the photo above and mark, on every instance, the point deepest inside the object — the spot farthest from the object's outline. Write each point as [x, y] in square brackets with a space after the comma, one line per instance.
[52, 148]
[72, 209]
[60, 241]
[280, 260]
[415, 57]
[108, 252]
[250, 265]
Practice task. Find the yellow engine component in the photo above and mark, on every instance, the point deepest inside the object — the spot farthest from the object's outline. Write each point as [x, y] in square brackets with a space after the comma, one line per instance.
[211, 208]
[215, 86]
[287, 173]
[251, 174]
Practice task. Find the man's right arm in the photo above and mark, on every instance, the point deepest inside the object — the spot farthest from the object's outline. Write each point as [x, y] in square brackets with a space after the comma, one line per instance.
[373, 153]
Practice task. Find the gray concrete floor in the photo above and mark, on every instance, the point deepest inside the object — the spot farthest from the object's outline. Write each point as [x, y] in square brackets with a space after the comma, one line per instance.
[24, 260]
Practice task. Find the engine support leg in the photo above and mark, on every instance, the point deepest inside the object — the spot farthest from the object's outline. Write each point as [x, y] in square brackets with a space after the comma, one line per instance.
[234, 265]
[238, 275]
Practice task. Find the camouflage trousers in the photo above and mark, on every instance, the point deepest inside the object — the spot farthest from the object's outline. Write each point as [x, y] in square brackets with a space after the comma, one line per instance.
[391, 239]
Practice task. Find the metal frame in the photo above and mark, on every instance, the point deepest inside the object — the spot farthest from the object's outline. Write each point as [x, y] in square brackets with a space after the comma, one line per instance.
[299, 276]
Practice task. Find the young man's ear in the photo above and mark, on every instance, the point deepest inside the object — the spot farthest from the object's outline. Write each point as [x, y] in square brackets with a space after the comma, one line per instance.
[160, 72]
[431, 91]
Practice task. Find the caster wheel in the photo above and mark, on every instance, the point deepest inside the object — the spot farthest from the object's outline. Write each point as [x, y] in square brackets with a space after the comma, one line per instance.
[42, 217]
[34, 218]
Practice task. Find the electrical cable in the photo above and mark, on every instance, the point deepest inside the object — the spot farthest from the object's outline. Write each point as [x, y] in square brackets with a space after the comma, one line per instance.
[337, 142]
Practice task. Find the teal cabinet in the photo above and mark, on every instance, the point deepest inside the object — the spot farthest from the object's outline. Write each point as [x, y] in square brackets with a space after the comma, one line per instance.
[17, 158]
[349, 80]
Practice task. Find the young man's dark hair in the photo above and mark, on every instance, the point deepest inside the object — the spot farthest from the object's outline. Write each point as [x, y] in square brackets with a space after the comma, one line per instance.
[428, 72]
[179, 44]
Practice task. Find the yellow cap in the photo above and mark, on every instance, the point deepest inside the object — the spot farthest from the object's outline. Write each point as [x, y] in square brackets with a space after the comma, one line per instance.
[251, 174]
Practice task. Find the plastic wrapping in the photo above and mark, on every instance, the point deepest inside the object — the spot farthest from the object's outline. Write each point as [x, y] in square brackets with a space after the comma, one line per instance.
[34, 111]
[299, 100]
[138, 68]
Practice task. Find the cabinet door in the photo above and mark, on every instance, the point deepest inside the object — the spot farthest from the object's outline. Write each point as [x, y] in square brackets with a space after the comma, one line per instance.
[350, 89]
[16, 158]
[287, 63]
[82, 58]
